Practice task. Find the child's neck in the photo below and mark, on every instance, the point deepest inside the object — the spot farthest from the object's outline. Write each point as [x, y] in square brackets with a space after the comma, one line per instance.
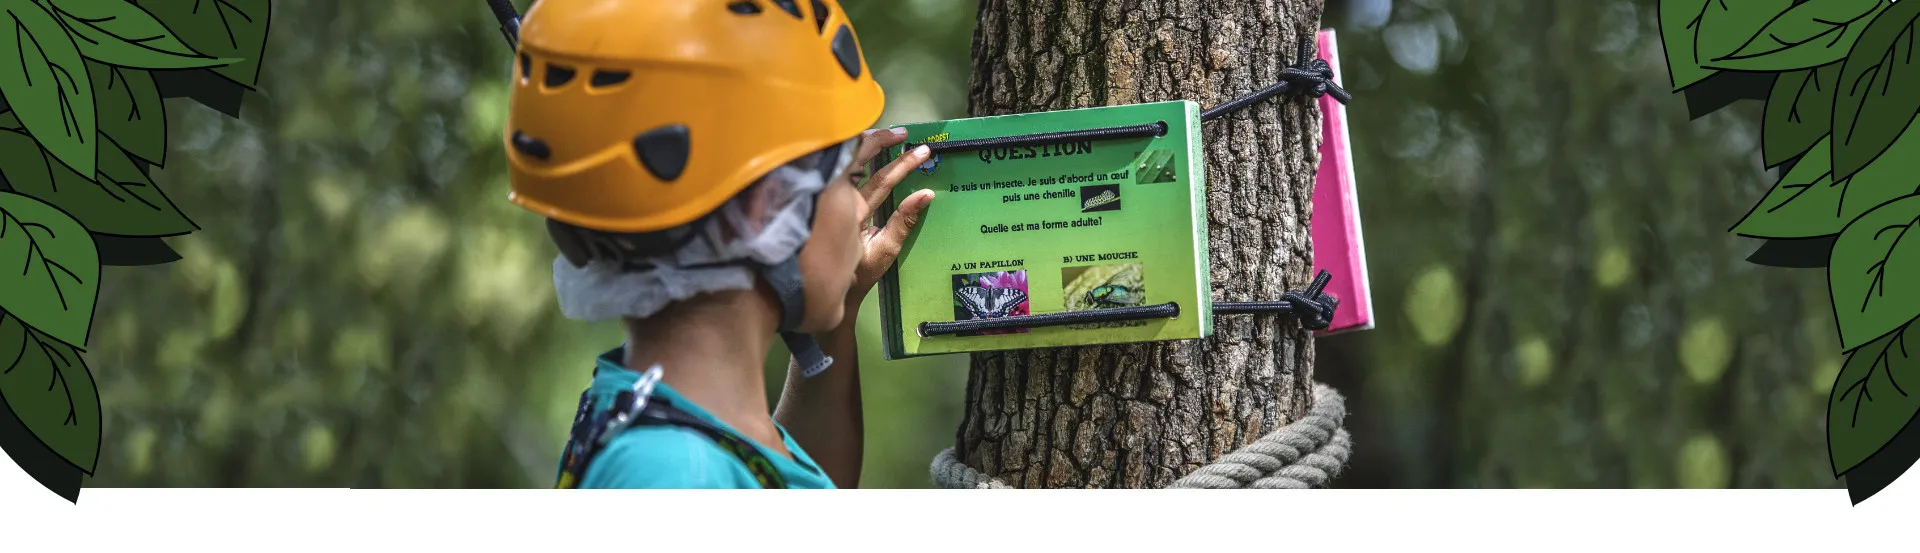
[713, 350]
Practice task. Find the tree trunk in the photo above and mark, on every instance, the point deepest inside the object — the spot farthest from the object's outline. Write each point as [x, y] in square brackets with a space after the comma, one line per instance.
[1143, 415]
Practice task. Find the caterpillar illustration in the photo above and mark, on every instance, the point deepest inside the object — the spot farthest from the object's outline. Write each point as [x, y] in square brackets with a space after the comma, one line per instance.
[1105, 197]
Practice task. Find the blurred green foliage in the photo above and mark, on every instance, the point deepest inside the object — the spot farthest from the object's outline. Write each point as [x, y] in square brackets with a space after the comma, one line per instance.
[1560, 304]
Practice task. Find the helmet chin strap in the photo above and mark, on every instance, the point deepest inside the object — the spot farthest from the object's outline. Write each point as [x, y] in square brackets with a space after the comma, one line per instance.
[784, 278]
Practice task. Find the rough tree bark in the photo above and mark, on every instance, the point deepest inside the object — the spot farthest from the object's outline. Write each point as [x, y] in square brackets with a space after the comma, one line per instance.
[1143, 415]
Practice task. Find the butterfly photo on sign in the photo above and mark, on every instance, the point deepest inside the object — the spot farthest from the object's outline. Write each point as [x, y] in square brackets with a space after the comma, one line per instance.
[990, 296]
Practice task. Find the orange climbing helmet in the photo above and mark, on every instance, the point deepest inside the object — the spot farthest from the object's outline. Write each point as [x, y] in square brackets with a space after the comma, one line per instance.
[635, 116]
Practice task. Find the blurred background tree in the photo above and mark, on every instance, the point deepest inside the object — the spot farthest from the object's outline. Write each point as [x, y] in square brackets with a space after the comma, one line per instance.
[1560, 304]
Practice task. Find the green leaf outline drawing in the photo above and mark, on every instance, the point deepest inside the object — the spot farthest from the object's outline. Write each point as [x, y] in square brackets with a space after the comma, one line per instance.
[1808, 203]
[1875, 261]
[1875, 395]
[33, 456]
[1692, 31]
[220, 88]
[1799, 112]
[1879, 89]
[136, 251]
[48, 387]
[1676, 37]
[120, 199]
[131, 110]
[1811, 34]
[45, 79]
[235, 29]
[122, 33]
[49, 268]
[1723, 27]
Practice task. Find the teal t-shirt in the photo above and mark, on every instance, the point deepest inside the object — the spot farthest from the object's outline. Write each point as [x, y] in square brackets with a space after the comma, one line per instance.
[676, 457]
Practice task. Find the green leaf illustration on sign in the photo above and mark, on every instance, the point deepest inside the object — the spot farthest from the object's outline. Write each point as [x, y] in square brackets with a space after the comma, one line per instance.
[52, 271]
[1876, 395]
[132, 112]
[1807, 202]
[45, 80]
[1695, 31]
[121, 33]
[47, 386]
[1879, 90]
[234, 29]
[120, 200]
[1811, 34]
[1876, 262]
[1799, 112]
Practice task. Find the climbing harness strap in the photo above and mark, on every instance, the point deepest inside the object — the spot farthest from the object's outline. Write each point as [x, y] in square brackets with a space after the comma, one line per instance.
[635, 407]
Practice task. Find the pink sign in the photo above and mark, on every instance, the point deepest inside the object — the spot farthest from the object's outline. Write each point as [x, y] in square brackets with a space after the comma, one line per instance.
[1337, 244]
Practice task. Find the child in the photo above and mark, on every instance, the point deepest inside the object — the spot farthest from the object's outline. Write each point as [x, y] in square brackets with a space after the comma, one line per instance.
[699, 164]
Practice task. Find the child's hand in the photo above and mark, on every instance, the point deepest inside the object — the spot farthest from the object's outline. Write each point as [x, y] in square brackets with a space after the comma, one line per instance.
[883, 242]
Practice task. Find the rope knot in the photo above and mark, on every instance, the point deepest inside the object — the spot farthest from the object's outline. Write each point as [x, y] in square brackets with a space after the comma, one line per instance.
[1314, 76]
[1313, 307]
[1311, 76]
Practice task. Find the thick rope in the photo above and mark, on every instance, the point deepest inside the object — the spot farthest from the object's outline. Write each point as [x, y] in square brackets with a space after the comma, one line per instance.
[1308, 453]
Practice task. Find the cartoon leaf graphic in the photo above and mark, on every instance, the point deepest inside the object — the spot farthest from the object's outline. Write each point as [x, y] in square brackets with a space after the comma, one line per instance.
[121, 33]
[223, 28]
[1799, 112]
[49, 268]
[131, 110]
[1807, 202]
[45, 80]
[1810, 34]
[1789, 253]
[1879, 91]
[1723, 27]
[1694, 30]
[1877, 394]
[1875, 262]
[34, 457]
[47, 386]
[135, 251]
[1874, 474]
[203, 86]
[119, 200]
[1676, 36]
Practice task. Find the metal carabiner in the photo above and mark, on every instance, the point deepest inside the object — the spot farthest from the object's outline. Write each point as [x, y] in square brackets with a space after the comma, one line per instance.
[624, 415]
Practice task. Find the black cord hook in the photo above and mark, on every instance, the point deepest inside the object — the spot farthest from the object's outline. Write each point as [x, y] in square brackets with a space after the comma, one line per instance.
[509, 21]
[1310, 75]
[1313, 307]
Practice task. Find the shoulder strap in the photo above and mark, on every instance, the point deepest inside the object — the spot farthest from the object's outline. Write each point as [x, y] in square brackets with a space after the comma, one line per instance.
[757, 463]
[587, 440]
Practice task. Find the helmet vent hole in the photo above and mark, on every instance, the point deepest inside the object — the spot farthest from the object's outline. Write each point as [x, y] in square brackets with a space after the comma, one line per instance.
[788, 6]
[603, 78]
[664, 151]
[820, 16]
[530, 146]
[526, 67]
[558, 75]
[847, 51]
[744, 8]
